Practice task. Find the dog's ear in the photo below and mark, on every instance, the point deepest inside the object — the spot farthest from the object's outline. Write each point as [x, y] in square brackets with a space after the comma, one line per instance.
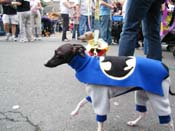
[79, 49]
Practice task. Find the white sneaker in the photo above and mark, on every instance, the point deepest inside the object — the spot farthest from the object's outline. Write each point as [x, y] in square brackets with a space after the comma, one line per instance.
[39, 38]
[8, 36]
[23, 40]
[13, 38]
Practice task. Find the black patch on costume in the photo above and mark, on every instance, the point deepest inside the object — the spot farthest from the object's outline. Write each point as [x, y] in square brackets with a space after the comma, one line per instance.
[118, 65]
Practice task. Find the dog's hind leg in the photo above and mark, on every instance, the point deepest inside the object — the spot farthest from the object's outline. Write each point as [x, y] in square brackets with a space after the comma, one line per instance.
[100, 126]
[161, 105]
[80, 105]
[141, 98]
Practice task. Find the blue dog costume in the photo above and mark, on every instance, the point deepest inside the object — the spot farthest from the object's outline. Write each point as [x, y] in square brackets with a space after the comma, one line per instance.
[141, 70]
[123, 72]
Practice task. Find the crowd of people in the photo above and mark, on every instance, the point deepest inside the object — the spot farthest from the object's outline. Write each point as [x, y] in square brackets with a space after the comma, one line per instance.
[138, 19]
[24, 16]
[89, 15]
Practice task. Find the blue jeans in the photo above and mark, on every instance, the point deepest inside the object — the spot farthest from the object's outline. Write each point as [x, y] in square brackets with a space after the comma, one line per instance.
[75, 33]
[105, 28]
[83, 24]
[149, 12]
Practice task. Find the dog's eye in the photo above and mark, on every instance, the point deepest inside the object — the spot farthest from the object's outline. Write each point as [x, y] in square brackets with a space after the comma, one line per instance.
[59, 56]
[55, 52]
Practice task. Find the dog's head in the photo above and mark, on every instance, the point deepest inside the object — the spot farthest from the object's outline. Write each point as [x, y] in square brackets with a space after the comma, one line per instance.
[87, 36]
[65, 53]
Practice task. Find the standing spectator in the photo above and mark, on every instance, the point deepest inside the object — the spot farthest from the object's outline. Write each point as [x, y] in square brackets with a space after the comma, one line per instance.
[75, 33]
[93, 15]
[105, 20]
[149, 12]
[24, 15]
[35, 7]
[10, 20]
[84, 11]
[65, 5]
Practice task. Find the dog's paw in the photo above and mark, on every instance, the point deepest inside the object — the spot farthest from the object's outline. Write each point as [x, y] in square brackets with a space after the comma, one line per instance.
[131, 123]
[74, 113]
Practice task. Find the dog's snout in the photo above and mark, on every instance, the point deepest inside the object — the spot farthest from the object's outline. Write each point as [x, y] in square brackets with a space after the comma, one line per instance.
[47, 64]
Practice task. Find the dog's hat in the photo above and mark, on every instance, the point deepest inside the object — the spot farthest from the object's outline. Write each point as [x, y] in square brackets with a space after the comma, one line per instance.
[98, 49]
[96, 46]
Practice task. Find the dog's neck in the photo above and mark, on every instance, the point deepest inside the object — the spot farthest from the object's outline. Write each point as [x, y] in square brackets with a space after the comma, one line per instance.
[78, 62]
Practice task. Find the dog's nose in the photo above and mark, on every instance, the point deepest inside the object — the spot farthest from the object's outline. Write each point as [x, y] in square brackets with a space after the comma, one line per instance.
[50, 65]
[46, 64]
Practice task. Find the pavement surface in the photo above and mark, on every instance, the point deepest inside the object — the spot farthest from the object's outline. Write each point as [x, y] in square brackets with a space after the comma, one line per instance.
[36, 98]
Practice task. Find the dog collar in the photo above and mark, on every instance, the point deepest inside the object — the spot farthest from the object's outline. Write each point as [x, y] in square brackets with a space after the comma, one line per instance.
[78, 62]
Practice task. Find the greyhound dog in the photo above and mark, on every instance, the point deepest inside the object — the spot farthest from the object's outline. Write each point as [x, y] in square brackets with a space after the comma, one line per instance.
[111, 76]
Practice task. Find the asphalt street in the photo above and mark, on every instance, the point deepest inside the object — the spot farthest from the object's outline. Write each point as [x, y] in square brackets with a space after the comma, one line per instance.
[36, 98]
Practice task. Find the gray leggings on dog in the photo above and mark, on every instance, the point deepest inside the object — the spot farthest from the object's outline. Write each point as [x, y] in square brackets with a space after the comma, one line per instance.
[100, 98]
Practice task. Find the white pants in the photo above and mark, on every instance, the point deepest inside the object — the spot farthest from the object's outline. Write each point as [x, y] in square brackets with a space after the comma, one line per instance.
[25, 25]
[101, 95]
[36, 23]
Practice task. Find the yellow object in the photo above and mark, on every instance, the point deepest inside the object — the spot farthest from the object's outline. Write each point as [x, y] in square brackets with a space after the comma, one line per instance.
[101, 45]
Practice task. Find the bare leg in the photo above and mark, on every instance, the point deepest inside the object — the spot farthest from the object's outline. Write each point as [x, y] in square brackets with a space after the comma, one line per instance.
[133, 123]
[13, 30]
[6, 27]
[171, 125]
[100, 126]
[77, 109]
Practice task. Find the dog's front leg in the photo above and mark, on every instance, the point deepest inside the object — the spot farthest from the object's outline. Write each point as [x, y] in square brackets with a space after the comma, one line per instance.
[171, 126]
[133, 123]
[77, 109]
[100, 126]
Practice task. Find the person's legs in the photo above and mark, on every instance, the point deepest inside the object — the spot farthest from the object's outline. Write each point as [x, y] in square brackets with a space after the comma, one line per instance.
[104, 28]
[28, 26]
[77, 29]
[88, 23]
[6, 22]
[33, 23]
[82, 24]
[65, 25]
[21, 16]
[109, 37]
[151, 31]
[14, 23]
[135, 12]
[38, 24]
[74, 31]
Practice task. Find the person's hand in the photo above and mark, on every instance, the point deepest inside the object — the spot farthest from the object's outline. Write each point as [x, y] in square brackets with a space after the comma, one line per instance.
[112, 7]
[13, 3]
